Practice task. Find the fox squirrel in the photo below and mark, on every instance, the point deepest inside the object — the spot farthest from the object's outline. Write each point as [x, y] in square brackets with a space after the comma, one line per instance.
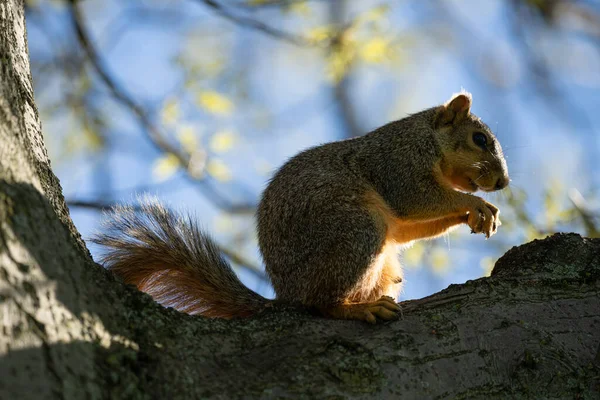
[329, 221]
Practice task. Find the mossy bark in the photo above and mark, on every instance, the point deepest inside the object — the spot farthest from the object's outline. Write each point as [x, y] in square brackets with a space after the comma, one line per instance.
[70, 330]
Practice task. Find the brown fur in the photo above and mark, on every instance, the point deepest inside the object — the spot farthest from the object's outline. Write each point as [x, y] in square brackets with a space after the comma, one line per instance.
[386, 268]
[406, 230]
[171, 259]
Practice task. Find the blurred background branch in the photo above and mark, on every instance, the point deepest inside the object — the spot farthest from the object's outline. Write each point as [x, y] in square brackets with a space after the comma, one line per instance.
[247, 22]
[193, 163]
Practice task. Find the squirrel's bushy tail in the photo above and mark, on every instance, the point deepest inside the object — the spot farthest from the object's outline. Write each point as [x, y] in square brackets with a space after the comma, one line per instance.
[167, 256]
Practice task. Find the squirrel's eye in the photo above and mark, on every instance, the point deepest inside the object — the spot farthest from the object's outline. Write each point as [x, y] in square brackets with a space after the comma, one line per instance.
[480, 139]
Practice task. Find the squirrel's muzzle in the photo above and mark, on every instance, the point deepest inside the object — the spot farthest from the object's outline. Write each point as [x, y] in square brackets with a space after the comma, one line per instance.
[502, 182]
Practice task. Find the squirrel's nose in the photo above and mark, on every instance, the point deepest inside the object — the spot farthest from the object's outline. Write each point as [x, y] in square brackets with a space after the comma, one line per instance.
[501, 183]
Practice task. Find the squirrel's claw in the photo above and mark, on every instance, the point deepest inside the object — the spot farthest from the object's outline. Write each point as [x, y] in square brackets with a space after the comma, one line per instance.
[385, 308]
[484, 219]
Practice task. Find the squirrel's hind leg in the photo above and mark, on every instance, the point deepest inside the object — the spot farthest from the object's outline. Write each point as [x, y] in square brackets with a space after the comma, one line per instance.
[379, 302]
[387, 277]
[390, 279]
[385, 308]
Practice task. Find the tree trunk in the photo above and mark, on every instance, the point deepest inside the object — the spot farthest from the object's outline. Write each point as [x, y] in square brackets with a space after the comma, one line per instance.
[69, 330]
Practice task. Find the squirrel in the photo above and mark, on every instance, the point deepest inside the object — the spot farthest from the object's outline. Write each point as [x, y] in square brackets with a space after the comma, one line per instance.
[329, 222]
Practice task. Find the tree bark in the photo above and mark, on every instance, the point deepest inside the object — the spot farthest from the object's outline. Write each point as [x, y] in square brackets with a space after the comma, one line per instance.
[70, 330]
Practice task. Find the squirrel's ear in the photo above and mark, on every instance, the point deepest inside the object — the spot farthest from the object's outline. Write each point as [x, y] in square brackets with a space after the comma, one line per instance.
[454, 111]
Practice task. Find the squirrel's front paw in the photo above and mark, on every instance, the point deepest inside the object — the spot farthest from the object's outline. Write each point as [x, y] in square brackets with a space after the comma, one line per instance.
[484, 218]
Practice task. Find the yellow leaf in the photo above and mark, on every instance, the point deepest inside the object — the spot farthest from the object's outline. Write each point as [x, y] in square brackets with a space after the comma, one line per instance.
[72, 143]
[214, 67]
[32, 3]
[215, 103]
[375, 50]
[374, 15]
[187, 137]
[413, 255]
[338, 63]
[223, 223]
[222, 141]
[300, 8]
[439, 261]
[531, 233]
[165, 166]
[319, 34]
[93, 140]
[170, 112]
[219, 170]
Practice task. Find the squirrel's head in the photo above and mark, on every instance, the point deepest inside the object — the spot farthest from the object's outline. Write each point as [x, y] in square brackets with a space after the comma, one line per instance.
[472, 157]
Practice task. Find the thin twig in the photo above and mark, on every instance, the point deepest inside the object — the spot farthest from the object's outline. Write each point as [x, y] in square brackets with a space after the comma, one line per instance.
[273, 3]
[341, 90]
[96, 205]
[232, 255]
[149, 128]
[254, 24]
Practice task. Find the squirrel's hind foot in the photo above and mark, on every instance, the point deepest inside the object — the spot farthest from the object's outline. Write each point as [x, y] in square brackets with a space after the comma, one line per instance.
[385, 309]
